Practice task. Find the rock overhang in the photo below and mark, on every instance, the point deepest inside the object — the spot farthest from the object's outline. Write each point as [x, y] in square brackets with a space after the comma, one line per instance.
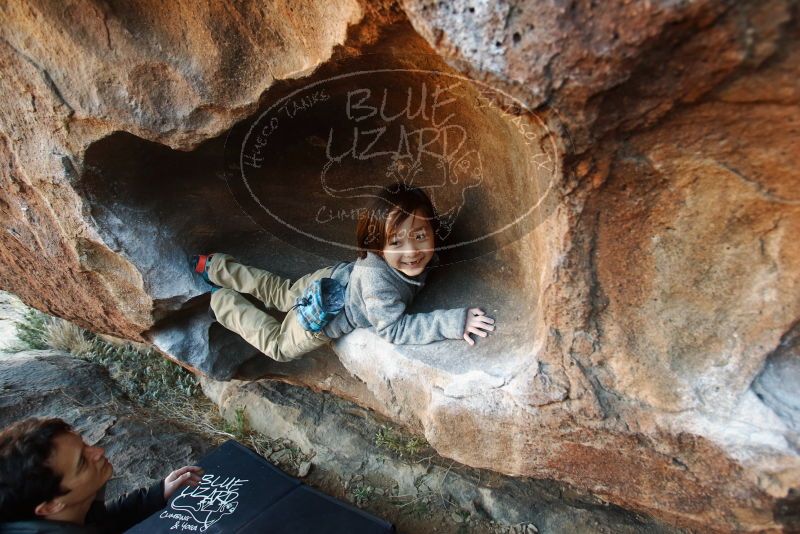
[495, 185]
[579, 368]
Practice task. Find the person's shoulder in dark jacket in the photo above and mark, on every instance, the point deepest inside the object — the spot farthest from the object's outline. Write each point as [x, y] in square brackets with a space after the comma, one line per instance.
[116, 515]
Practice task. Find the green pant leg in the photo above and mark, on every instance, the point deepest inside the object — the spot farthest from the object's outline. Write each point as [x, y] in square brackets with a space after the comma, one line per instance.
[299, 287]
[239, 315]
[269, 288]
[294, 341]
[280, 341]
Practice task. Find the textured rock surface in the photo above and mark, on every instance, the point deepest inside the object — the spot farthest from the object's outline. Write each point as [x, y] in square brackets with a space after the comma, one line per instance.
[342, 437]
[603, 66]
[646, 344]
[682, 197]
[75, 72]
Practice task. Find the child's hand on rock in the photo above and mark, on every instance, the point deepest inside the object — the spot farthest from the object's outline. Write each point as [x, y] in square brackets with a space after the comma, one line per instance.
[477, 322]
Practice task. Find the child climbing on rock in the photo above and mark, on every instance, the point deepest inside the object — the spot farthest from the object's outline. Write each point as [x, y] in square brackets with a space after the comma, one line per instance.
[396, 248]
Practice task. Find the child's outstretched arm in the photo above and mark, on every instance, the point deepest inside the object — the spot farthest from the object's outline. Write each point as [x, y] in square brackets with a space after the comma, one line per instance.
[386, 312]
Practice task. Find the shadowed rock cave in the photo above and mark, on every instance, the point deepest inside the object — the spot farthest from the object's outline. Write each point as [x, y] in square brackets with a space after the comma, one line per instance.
[283, 189]
[646, 346]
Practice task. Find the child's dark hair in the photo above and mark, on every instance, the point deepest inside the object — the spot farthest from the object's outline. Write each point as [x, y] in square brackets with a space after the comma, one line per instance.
[387, 210]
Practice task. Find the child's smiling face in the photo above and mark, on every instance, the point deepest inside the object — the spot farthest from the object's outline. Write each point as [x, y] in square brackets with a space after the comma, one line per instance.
[410, 246]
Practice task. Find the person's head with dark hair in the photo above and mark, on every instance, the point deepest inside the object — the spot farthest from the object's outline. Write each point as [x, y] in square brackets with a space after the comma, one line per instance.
[400, 226]
[48, 472]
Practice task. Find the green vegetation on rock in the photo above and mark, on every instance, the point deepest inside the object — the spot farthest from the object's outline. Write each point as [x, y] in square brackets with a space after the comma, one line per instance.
[144, 374]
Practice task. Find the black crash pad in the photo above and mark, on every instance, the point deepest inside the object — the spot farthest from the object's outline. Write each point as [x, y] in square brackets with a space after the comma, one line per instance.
[242, 492]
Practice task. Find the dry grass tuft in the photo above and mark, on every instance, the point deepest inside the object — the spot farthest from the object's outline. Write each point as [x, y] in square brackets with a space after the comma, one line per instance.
[63, 335]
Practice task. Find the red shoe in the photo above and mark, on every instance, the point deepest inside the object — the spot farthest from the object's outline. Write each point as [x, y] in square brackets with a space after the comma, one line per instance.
[200, 263]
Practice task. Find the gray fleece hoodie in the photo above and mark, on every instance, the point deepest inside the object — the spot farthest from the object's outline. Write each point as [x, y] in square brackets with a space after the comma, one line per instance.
[377, 295]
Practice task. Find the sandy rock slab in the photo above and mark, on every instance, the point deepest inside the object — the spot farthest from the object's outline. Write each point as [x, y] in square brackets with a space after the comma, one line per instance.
[342, 437]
